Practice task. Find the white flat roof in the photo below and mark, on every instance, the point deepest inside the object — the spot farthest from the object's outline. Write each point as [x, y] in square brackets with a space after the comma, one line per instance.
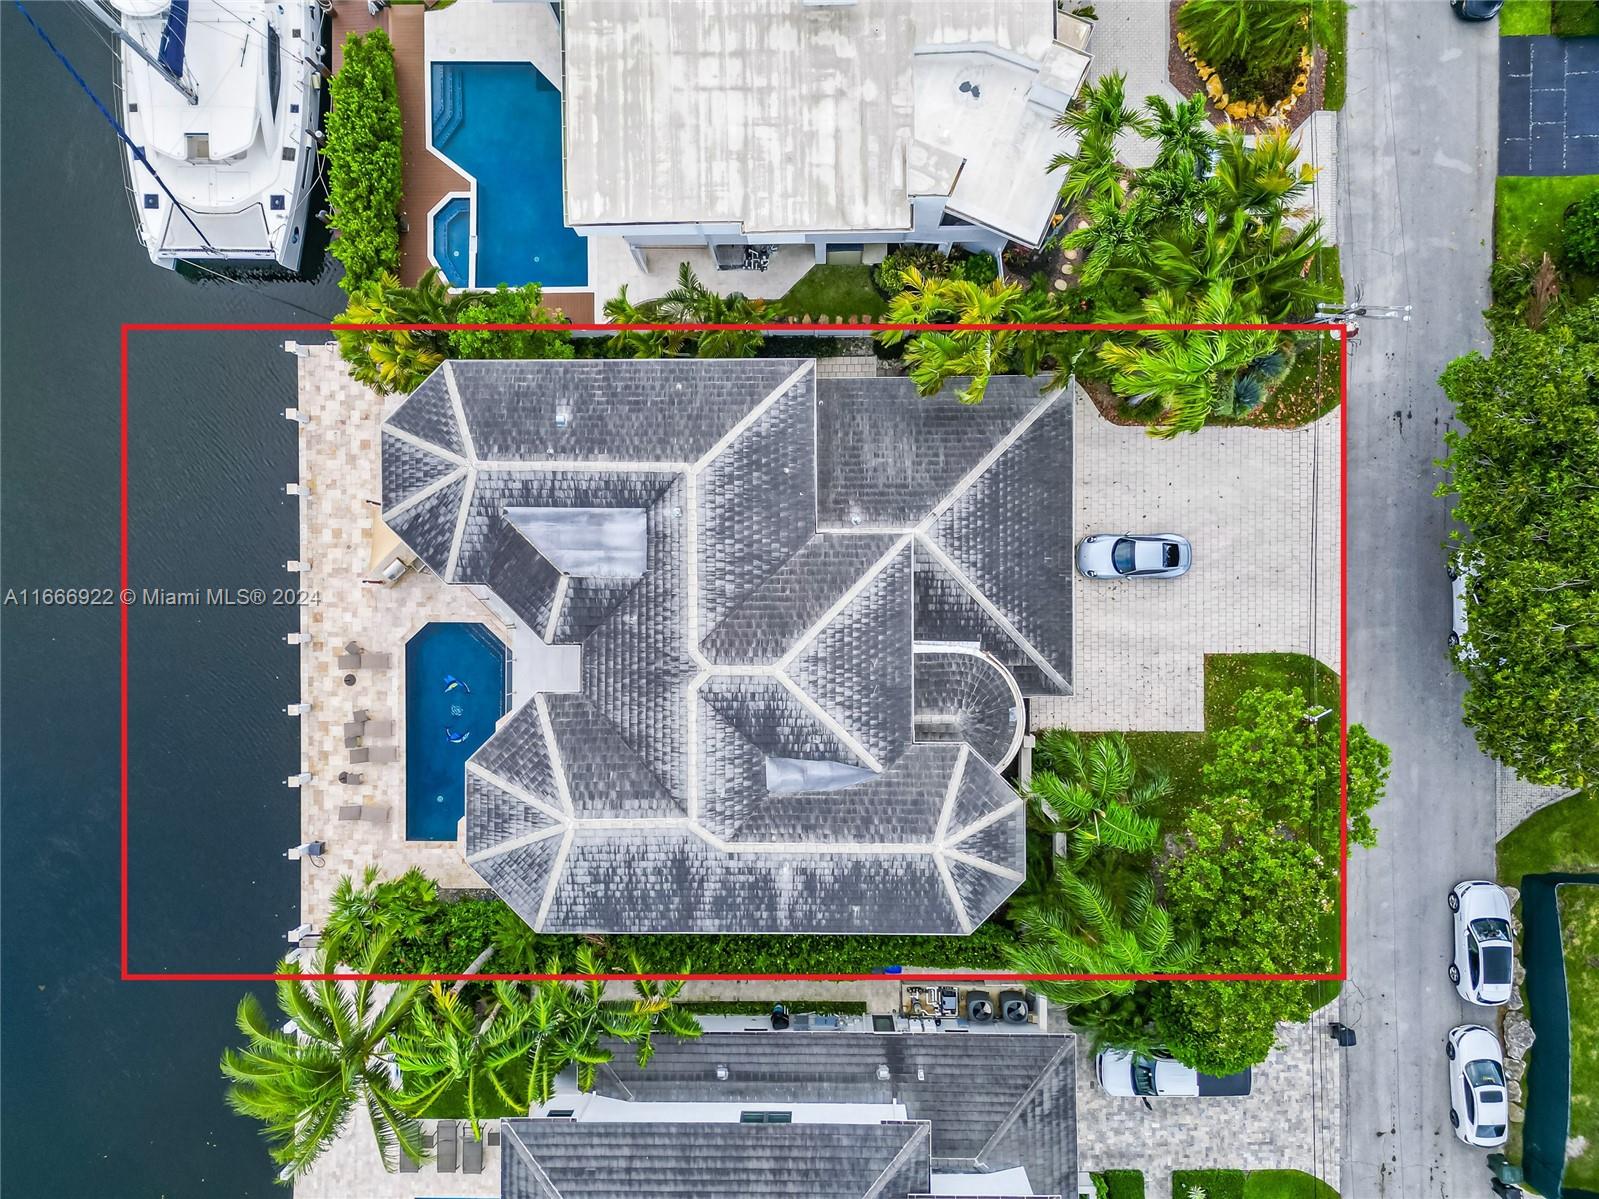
[796, 116]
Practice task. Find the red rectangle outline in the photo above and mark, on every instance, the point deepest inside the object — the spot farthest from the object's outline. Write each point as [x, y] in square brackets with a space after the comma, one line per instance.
[128, 975]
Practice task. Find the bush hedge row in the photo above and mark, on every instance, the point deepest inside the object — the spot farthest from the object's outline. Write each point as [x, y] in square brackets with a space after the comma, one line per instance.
[365, 184]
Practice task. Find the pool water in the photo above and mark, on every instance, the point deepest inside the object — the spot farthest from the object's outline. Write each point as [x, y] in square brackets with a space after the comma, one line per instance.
[452, 240]
[455, 689]
[501, 123]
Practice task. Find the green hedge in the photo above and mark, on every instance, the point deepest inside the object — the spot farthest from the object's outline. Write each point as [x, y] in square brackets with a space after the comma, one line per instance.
[1119, 1184]
[459, 930]
[1217, 1184]
[365, 186]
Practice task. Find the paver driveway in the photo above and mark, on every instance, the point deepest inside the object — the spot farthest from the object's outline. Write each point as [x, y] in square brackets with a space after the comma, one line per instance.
[1261, 508]
[1548, 106]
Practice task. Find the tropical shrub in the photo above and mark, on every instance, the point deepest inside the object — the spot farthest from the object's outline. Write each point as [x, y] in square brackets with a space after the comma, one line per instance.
[929, 260]
[1119, 1184]
[1522, 457]
[1580, 234]
[505, 306]
[1087, 794]
[1253, 53]
[980, 269]
[1210, 1184]
[690, 302]
[365, 186]
[391, 360]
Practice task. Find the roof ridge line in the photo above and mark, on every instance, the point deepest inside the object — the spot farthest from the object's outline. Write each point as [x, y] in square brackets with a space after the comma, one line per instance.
[557, 869]
[515, 789]
[468, 443]
[1047, 400]
[830, 722]
[426, 493]
[851, 593]
[757, 410]
[971, 830]
[522, 842]
[991, 608]
[924, 1129]
[532, 1163]
[983, 864]
[952, 892]
[1010, 1119]
[956, 775]
[467, 494]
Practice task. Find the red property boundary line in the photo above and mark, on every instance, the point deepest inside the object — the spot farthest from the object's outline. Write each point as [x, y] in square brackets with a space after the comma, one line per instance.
[129, 975]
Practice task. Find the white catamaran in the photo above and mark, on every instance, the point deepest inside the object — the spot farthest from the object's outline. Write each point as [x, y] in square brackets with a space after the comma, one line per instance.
[221, 99]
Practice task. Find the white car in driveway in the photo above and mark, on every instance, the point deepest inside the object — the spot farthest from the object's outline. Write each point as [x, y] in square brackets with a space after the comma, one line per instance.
[1134, 556]
[1479, 1106]
[1126, 1072]
[1483, 968]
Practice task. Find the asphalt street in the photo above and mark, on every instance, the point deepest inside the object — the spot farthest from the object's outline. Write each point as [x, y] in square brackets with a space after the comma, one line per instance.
[1417, 162]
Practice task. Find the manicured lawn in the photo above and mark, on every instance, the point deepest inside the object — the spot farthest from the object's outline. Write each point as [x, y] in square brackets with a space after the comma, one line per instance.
[835, 290]
[1562, 837]
[1579, 935]
[1574, 18]
[1122, 1184]
[1528, 211]
[1337, 48]
[1216, 1184]
[1524, 18]
[1286, 1184]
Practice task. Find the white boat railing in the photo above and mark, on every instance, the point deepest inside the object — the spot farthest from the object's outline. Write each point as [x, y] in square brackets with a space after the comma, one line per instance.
[123, 155]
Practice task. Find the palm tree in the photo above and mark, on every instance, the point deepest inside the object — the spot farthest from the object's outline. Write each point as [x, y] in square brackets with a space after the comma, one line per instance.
[357, 912]
[691, 302]
[304, 1080]
[1071, 926]
[569, 1019]
[450, 1042]
[1265, 179]
[1098, 116]
[1190, 372]
[1184, 134]
[396, 360]
[1087, 793]
[1116, 235]
[633, 343]
[932, 359]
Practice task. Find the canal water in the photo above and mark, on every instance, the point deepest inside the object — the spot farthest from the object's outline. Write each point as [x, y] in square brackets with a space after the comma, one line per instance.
[110, 1087]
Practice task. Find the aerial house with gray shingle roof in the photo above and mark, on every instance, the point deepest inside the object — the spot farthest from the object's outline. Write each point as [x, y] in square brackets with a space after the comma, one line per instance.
[804, 613]
[819, 1115]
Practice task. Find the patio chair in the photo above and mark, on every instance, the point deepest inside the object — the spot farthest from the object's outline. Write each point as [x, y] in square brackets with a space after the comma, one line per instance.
[380, 754]
[349, 661]
[353, 647]
[360, 716]
[351, 778]
[352, 743]
[376, 661]
[378, 728]
[407, 1166]
[492, 1136]
[349, 811]
[354, 728]
[374, 813]
[471, 1154]
[449, 1146]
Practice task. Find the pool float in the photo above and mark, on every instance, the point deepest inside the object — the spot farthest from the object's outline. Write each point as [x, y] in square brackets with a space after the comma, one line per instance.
[456, 738]
[451, 683]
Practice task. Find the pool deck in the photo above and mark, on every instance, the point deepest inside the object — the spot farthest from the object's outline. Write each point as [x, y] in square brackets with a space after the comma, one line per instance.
[339, 465]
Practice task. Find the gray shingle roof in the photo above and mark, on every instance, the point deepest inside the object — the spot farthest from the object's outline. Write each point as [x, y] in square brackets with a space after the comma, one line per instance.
[744, 754]
[995, 1102]
[570, 1159]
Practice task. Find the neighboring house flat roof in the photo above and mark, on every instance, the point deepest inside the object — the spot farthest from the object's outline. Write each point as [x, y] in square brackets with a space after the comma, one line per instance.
[776, 116]
[988, 1103]
[807, 611]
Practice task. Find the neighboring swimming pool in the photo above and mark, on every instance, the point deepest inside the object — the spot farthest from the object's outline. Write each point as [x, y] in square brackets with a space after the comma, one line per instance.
[500, 122]
[455, 691]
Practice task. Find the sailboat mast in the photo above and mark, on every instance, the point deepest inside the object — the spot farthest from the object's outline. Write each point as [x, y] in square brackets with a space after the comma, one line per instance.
[115, 26]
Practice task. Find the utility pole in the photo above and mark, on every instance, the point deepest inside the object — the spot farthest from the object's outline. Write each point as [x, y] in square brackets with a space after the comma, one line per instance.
[115, 26]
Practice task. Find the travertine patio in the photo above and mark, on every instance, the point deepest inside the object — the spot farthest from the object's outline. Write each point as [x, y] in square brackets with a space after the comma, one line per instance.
[339, 467]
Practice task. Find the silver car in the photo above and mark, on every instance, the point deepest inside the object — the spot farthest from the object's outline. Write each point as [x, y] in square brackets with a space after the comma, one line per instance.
[1134, 556]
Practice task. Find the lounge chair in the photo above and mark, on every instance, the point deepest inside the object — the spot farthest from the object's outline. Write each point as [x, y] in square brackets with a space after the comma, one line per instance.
[359, 716]
[407, 1166]
[471, 1154]
[354, 728]
[379, 754]
[352, 743]
[349, 811]
[378, 728]
[349, 661]
[357, 756]
[449, 1146]
[374, 813]
[376, 661]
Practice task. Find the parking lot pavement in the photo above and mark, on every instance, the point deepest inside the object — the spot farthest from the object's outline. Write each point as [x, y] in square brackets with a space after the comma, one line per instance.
[1261, 509]
[1289, 1121]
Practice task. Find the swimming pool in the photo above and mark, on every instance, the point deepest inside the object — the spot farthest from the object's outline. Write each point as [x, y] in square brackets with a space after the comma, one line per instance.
[500, 122]
[452, 240]
[455, 689]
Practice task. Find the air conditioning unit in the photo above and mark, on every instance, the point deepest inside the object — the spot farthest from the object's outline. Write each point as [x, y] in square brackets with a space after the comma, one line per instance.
[979, 1007]
[1014, 1007]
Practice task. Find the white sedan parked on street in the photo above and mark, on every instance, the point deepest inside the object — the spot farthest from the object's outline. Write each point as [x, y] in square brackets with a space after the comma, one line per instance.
[1478, 1103]
[1483, 969]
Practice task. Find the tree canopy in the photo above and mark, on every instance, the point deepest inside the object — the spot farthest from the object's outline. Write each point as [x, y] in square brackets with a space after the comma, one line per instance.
[365, 184]
[1524, 473]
